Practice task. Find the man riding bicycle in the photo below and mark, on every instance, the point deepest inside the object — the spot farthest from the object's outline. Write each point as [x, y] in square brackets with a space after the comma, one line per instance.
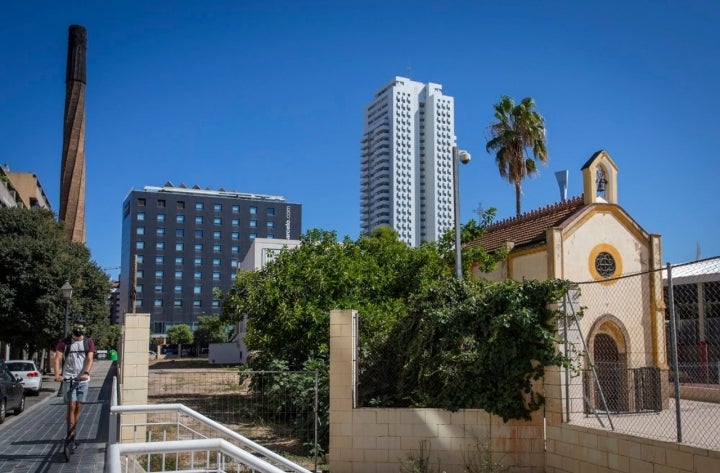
[78, 352]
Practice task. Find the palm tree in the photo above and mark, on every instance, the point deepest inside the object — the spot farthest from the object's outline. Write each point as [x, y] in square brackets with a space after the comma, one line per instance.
[519, 130]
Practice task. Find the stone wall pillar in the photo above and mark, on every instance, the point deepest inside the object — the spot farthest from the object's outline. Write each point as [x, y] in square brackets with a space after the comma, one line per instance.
[341, 390]
[133, 364]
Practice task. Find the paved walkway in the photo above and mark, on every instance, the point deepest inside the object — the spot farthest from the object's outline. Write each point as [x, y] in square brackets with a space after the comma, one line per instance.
[33, 440]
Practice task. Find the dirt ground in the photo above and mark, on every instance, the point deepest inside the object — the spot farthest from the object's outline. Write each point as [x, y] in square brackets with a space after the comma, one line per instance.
[185, 363]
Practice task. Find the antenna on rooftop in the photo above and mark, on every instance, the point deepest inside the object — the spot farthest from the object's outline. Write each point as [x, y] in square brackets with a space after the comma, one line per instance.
[698, 252]
[562, 179]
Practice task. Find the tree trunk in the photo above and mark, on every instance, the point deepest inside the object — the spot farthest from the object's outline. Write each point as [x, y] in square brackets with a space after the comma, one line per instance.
[518, 193]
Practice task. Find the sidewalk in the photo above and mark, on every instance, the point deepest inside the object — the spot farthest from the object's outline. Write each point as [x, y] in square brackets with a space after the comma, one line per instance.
[33, 440]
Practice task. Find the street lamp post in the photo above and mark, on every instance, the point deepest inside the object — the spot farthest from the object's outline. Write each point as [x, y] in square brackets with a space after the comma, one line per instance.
[66, 290]
[464, 157]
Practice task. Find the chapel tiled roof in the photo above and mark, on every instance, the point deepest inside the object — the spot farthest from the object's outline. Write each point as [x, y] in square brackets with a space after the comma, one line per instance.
[529, 228]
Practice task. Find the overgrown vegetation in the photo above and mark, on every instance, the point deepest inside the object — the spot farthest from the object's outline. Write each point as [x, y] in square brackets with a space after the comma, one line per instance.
[290, 397]
[466, 345]
[427, 339]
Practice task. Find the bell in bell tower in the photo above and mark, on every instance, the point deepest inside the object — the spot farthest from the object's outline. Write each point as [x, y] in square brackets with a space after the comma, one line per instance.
[600, 179]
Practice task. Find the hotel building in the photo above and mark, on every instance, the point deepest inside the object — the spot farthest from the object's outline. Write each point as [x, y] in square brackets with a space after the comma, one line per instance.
[181, 245]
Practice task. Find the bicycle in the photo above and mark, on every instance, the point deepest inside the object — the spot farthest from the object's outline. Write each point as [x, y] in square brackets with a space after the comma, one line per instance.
[69, 443]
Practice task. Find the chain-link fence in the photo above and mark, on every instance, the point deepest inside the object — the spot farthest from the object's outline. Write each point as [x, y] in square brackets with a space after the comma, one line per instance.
[643, 370]
[277, 409]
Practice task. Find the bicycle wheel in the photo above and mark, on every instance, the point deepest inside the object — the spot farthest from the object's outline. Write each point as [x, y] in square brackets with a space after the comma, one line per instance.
[66, 449]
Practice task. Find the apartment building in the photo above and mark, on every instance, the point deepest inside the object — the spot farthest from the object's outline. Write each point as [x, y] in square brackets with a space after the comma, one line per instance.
[406, 172]
[21, 189]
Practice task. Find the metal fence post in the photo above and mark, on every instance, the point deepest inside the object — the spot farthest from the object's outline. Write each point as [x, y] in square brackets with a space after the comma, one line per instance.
[673, 336]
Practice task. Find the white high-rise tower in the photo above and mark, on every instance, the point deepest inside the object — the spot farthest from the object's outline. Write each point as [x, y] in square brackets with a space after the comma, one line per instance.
[406, 179]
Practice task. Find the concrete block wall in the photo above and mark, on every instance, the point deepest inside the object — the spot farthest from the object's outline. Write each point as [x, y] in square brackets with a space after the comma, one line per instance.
[577, 449]
[377, 440]
[133, 364]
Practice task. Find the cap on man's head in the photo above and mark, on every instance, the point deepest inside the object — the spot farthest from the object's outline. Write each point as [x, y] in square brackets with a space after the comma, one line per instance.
[80, 321]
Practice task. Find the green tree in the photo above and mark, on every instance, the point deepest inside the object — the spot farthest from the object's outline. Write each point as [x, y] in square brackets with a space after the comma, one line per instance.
[36, 258]
[473, 256]
[105, 335]
[180, 335]
[288, 302]
[518, 133]
[211, 329]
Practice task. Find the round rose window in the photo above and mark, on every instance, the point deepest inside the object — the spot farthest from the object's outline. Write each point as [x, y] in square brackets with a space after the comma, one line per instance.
[605, 264]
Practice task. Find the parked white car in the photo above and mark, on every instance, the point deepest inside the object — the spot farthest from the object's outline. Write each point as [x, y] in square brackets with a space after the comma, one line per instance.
[28, 372]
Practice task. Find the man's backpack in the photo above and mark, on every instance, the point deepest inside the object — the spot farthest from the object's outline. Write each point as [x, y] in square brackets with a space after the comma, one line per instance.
[69, 342]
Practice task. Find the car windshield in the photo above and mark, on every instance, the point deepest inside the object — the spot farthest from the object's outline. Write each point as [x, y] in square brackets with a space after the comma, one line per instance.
[20, 366]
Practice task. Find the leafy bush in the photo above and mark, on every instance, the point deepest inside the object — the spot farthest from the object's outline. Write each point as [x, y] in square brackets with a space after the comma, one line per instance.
[467, 345]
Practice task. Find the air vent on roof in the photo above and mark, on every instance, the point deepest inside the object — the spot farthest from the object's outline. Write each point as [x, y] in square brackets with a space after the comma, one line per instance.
[562, 179]
[168, 184]
[197, 187]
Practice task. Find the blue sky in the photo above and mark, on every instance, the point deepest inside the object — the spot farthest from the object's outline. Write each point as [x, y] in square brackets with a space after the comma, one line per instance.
[268, 97]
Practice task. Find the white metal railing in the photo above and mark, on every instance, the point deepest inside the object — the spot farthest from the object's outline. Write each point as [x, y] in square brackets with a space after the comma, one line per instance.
[128, 457]
[201, 455]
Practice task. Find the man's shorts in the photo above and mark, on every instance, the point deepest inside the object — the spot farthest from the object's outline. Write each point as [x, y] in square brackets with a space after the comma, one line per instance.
[75, 391]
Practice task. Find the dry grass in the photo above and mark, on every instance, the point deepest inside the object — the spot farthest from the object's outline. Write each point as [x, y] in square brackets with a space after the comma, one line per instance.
[186, 363]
